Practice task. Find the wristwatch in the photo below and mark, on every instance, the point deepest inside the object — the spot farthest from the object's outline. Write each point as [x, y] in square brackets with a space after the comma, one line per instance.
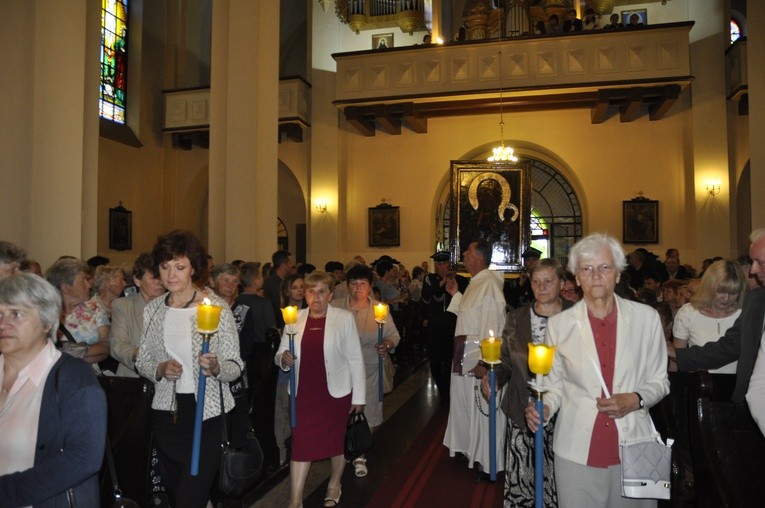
[640, 401]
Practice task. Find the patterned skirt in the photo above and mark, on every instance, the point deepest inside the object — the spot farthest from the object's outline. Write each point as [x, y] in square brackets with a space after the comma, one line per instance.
[519, 467]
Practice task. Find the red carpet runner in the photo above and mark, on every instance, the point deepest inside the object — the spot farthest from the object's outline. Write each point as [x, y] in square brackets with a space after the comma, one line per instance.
[426, 476]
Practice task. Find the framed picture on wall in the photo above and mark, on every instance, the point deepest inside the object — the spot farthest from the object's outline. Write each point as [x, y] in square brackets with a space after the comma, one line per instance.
[492, 202]
[382, 41]
[641, 221]
[384, 226]
[120, 228]
[642, 15]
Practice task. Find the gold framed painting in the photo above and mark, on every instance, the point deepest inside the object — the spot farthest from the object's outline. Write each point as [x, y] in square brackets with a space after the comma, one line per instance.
[492, 202]
[640, 221]
[384, 226]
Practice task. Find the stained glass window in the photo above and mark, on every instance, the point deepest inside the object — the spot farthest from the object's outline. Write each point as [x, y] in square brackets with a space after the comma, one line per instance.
[113, 60]
[735, 31]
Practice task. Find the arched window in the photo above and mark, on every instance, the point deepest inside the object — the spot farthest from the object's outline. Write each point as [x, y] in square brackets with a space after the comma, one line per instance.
[114, 53]
[556, 216]
[735, 31]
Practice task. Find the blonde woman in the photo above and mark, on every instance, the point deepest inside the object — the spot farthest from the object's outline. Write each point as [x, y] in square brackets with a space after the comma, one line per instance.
[713, 309]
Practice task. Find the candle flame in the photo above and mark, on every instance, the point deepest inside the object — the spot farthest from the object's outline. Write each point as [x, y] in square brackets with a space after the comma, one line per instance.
[206, 301]
[541, 358]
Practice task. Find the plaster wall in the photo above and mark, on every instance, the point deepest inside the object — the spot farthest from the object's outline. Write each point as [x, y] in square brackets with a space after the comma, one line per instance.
[605, 163]
[16, 104]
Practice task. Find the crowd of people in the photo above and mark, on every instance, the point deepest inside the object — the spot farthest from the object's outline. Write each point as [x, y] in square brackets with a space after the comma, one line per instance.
[627, 319]
[591, 21]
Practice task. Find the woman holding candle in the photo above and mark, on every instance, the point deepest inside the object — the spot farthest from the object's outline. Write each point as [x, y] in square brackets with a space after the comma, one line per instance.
[291, 296]
[52, 409]
[329, 385]
[169, 355]
[621, 340]
[526, 325]
[363, 307]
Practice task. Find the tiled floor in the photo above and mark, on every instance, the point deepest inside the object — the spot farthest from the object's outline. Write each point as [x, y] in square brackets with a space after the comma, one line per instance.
[406, 411]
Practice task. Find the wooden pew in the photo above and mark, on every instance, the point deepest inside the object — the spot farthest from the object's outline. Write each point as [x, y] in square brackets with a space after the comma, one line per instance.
[727, 448]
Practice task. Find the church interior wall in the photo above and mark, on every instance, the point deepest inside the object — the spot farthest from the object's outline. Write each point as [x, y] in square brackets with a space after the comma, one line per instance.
[167, 188]
[16, 105]
[612, 162]
[164, 187]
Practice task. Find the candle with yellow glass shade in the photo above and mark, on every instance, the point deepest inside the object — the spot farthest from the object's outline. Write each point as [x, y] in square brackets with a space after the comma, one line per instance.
[540, 363]
[381, 312]
[289, 314]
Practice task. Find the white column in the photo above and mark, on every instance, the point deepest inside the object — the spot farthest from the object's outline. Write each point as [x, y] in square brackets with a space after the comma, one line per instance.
[325, 180]
[244, 89]
[709, 37]
[63, 204]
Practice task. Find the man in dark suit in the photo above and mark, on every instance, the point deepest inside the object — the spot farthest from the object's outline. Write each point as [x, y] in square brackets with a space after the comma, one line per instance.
[675, 270]
[282, 266]
[438, 324]
[742, 340]
[255, 322]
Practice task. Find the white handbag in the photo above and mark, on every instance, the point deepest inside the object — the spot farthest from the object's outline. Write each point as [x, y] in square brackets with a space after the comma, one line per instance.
[646, 462]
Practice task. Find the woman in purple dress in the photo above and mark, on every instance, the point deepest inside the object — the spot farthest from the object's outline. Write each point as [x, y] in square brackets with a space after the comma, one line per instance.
[329, 384]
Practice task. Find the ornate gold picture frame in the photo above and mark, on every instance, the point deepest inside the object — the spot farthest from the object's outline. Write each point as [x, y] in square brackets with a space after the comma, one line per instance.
[491, 201]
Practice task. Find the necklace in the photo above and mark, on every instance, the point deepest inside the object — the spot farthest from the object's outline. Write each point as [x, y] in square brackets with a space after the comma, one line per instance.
[193, 297]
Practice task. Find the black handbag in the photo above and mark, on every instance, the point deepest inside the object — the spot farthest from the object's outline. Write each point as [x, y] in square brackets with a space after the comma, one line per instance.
[119, 500]
[240, 469]
[358, 437]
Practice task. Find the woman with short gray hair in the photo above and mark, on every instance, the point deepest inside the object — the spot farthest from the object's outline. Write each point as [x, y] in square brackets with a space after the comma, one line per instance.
[50, 403]
[610, 368]
[84, 323]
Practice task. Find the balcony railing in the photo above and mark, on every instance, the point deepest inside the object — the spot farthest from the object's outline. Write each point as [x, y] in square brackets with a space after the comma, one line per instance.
[626, 69]
[187, 112]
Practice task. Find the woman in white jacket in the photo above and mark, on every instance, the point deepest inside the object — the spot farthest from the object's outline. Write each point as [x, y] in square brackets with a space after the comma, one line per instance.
[623, 340]
[330, 384]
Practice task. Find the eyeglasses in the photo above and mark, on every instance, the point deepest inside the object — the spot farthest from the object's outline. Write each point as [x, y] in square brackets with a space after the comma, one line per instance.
[589, 270]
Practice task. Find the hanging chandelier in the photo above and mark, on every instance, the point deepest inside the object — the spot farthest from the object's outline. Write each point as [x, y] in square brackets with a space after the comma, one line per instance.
[501, 153]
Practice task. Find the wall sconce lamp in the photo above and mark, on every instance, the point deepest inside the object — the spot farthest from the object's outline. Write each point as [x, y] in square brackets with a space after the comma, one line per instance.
[713, 187]
[320, 205]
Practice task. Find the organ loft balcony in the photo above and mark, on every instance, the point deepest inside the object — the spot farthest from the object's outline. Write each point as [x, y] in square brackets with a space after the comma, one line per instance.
[629, 73]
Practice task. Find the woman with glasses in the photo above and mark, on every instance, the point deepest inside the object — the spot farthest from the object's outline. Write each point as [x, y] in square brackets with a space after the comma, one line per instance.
[571, 291]
[524, 325]
[52, 409]
[602, 337]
